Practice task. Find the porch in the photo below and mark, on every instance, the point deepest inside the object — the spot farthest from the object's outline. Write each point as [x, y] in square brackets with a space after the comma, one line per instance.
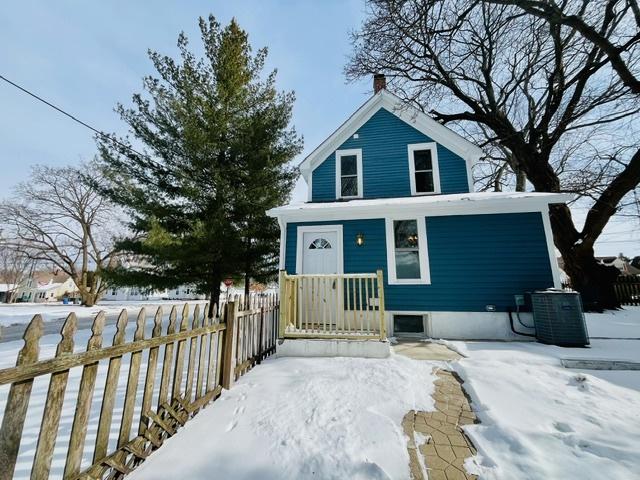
[332, 306]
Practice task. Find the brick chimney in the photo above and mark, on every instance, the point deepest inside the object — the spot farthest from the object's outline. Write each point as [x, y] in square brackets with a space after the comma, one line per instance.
[379, 82]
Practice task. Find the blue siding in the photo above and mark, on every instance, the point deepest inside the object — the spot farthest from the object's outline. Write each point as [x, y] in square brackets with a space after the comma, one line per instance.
[383, 140]
[474, 260]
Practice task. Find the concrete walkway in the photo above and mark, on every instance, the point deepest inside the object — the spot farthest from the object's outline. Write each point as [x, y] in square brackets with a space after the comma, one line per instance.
[437, 444]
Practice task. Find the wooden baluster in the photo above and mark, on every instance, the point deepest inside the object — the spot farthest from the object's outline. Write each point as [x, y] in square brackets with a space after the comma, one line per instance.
[17, 404]
[109, 396]
[132, 382]
[348, 283]
[178, 371]
[150, 378]
[53, 406]
[383, 320]
[83, 404]
[366, 303]
[360, 304]
[355, 300]
[167, 363]
[202, 356]
[192, 354]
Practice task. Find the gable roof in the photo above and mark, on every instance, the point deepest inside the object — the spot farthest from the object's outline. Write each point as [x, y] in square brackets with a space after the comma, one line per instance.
[410, 115]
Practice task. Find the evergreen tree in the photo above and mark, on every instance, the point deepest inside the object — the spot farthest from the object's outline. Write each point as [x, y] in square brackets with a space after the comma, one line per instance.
[216, 147]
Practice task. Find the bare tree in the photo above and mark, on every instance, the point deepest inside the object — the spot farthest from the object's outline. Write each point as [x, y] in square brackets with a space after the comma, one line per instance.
[543, 100]
[15, 267]
[57, 218]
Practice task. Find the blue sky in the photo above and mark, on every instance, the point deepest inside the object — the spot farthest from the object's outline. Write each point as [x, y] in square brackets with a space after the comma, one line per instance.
[87, 56]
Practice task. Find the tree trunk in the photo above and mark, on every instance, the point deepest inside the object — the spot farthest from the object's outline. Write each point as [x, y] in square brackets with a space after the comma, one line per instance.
[247, 289]
[214, 300]
[594, 281]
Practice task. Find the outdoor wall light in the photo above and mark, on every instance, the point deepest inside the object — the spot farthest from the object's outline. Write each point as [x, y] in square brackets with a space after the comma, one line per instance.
[490, 308]
[360, 239]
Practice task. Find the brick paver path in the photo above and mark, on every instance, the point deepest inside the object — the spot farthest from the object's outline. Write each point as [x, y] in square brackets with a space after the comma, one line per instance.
[437, 443]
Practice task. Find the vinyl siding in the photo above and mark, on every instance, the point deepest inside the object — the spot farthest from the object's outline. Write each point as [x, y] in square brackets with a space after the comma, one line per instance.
[475, 260]
[383, 140]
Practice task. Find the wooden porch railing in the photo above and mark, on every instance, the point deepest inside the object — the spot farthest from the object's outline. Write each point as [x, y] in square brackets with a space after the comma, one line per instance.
[348, 306]
[184, 369]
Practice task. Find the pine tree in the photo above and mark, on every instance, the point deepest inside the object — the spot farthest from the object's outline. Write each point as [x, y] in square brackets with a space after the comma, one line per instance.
[216, 144]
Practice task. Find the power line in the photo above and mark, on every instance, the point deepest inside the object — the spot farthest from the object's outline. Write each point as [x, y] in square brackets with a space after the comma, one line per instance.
[77, 120]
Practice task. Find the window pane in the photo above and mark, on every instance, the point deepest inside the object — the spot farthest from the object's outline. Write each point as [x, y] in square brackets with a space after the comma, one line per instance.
[422, 159]
[424, 182]
[349, 186]
[348, 165]
[407, 264]
[406, 233]
[408, 324]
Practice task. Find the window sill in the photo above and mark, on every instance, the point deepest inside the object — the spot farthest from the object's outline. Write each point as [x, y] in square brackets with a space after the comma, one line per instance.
[409, 282]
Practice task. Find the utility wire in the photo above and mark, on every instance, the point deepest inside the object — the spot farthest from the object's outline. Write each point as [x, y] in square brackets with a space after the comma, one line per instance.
[86, 125]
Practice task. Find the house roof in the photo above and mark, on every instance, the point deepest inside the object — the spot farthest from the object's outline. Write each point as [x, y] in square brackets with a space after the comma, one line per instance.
[430, 205]
[414, 117]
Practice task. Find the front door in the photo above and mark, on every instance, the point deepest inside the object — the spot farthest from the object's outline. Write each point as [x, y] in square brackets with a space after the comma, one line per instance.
[319, 297]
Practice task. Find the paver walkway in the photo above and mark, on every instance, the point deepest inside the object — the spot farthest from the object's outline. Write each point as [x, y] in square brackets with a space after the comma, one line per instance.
[437, 443]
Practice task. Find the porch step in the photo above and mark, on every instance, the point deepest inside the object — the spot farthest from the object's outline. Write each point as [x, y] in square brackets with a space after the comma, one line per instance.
[331, 347]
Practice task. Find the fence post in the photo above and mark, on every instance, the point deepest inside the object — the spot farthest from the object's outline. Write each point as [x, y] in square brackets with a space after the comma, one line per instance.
[283, 304]
[383, 321]
[229, 353]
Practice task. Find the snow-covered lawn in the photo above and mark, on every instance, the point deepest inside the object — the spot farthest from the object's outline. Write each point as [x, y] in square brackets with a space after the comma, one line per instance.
[294, 418]
[22, 313]
[543, 421]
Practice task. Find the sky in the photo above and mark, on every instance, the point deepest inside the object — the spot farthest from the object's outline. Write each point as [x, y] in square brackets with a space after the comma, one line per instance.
[86, 57]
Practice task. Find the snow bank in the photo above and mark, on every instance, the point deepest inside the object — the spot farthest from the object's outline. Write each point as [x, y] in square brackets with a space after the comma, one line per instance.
[623, 323]
[541, 421]
[291, 418]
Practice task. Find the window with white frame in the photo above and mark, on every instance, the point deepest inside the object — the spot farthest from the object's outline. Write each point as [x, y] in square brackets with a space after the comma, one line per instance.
[407, 254]
[423, 168]
[349, 173]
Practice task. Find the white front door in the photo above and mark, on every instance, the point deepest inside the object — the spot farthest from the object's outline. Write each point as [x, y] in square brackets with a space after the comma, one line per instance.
[320, 252]
[319, 298]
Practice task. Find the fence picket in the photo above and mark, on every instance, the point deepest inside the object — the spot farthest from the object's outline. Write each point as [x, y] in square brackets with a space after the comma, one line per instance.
[109, 396]
[15, 411]
[132, 382]
[83, 403]
[178, 371]
[167, 363]
[150, 378]
[53, 406]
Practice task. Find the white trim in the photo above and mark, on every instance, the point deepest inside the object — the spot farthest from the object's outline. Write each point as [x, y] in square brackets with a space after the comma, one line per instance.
[548, 233]
[283, 241]
[423, 252]
[319, 229]
[414, 117]
[310, 189]
[411, 149]
[344, 153]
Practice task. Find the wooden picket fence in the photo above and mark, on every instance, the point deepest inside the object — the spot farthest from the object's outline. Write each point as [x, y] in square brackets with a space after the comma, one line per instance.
[628, 290]
[198, 357]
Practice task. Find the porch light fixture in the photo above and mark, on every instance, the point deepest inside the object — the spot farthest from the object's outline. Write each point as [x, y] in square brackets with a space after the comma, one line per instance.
[360, 239]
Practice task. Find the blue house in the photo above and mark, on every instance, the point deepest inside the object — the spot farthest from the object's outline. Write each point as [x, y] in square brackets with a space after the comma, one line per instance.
[391, 190]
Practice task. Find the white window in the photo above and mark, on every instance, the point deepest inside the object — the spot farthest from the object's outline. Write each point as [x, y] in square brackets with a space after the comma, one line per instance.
[424, 176]
[349, 173]
[407, 253]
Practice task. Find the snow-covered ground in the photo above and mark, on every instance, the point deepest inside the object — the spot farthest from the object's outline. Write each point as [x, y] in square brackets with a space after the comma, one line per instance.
[294, 418]
[542, 421]
[22, 313]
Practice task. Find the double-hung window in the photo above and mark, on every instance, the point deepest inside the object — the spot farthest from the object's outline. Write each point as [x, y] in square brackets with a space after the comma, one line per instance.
[407, 256]
[349, 173]
[423, 169]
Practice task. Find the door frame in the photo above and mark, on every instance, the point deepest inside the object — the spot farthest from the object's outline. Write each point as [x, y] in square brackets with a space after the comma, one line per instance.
[337, 229]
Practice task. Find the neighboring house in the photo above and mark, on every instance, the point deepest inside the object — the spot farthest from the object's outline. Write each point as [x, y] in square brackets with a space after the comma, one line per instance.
[119, 294]
[46, 287]
[621, 262]
[6, 289]
[184, 292]
[391, 189]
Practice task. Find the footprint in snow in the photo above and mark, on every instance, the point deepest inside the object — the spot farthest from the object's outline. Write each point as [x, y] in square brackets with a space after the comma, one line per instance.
[231, 426]
[562, 427]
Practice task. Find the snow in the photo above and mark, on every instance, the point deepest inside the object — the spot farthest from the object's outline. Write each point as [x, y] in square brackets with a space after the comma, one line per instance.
[22, 313]
[540, 420]
[458, 198]
[291, 418]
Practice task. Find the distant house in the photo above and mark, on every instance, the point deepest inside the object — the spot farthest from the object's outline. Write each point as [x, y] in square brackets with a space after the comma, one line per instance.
[391, 190]
[621, 262]
[44, 287]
